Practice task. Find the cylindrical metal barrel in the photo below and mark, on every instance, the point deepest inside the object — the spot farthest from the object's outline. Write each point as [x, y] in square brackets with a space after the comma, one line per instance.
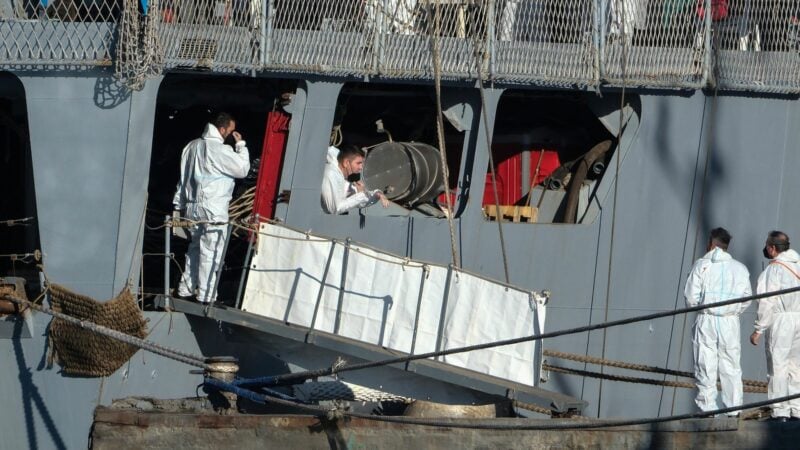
[408, 172]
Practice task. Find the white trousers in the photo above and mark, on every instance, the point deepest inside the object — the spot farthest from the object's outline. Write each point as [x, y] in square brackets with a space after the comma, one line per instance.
[203, 260]
[717, 349]
[783, 363]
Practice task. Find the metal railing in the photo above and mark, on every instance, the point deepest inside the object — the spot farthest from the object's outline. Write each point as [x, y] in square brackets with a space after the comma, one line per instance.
[738, 44]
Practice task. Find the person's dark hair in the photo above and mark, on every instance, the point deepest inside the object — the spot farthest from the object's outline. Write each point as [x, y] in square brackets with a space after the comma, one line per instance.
[349, 151]
[779, 239]
[720, 237]
[223, 119]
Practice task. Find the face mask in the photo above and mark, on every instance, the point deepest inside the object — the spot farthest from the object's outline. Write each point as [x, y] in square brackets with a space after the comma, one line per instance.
[766, 255]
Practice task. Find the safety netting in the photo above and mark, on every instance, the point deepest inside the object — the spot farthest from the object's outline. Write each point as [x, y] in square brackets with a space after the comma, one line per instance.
[81, 351]
[58, 32]
[758, 44]
[373, 297]
[652, 43]
[734, 44]
[546, 42]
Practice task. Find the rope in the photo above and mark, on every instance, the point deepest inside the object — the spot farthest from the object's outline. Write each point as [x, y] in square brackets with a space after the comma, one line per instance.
[14, 222]
[536, 337]
[242, 206]
[623, 70]
[336, 136]
[491, 159]
[712, 120]
[638, 380]
[554, 424]
[632, 366]
[339, 390]
[437, 76]
[24, 257]
[187, 358]
[531, 407]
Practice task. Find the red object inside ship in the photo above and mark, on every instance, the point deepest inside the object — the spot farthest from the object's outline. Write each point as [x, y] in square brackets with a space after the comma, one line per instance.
[508, 171]
[269, 171]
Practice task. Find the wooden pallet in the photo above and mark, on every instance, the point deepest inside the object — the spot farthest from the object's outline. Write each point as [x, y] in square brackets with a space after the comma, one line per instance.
[512, 213]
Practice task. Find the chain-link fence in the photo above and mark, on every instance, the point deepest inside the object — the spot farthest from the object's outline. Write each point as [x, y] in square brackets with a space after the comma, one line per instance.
[551, 42]
[409, 32]
[316, 36]
[655, 42]
[58, 32]
[221, 35]
[757, 44]
[739, 44]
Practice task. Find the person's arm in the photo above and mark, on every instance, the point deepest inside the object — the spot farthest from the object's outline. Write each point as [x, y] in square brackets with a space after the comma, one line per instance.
[179, 199]
[767, 282]
[334, 194]
[694, 286]
[744, 289]
[234, 163]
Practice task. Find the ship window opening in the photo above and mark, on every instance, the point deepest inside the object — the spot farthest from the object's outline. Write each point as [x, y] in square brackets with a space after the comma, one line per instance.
[19, 201]
[396, 126]
[539, 142]
[185, 104]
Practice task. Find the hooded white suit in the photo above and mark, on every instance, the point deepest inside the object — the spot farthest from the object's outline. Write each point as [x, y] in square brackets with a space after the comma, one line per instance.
[779, 316]
[338, 194]
[716, 334]
[208, 170]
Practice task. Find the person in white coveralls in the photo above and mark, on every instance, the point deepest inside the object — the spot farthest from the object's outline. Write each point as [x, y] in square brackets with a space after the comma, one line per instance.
[208, 170]
[716, 336]
[779, 318]
[340, 195]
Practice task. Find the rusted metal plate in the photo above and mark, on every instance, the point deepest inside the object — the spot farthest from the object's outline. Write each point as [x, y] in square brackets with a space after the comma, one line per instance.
[122, 429]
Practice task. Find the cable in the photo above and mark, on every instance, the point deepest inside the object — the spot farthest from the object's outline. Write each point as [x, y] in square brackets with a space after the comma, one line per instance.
[187, 358]
[623, 67]
[632, 366]
[14, 222]
[552, 424]
[492, 165]
[288, 378]
[437, 75]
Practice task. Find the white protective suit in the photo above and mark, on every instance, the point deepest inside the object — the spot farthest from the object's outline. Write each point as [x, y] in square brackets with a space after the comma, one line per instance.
[626, 17]
[779, 316]
[208, 170]
[716, 334]
[338, 194]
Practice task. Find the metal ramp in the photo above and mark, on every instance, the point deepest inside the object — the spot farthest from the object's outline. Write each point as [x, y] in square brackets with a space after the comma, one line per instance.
[558, 403]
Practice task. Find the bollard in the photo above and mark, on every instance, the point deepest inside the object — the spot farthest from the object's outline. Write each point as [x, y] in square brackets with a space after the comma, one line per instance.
[223, 368]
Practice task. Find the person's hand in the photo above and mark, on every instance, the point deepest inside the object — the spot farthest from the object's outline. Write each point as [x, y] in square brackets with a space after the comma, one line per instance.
[383, 199]
[236, 136]
[754, 337]
[359, 185]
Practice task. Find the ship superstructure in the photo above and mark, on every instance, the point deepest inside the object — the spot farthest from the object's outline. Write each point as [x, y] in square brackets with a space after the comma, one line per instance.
[697, 100]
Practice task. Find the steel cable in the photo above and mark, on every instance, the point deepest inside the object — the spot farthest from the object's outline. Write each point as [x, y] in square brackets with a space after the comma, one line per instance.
[536, 337]
[177, 355]
[553, 424]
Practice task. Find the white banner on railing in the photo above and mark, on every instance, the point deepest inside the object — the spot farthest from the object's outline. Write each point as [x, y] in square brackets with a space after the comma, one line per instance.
[392, 302]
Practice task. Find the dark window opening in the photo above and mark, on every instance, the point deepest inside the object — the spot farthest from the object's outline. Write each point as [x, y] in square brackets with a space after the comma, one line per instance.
[396, 126]
[540, 142]
[19, 201]
[186, 103]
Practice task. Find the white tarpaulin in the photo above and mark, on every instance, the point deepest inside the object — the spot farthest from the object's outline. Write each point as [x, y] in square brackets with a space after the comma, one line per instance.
[374, 297]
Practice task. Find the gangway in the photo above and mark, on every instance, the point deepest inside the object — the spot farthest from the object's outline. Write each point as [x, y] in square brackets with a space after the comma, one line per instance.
[355, 351]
